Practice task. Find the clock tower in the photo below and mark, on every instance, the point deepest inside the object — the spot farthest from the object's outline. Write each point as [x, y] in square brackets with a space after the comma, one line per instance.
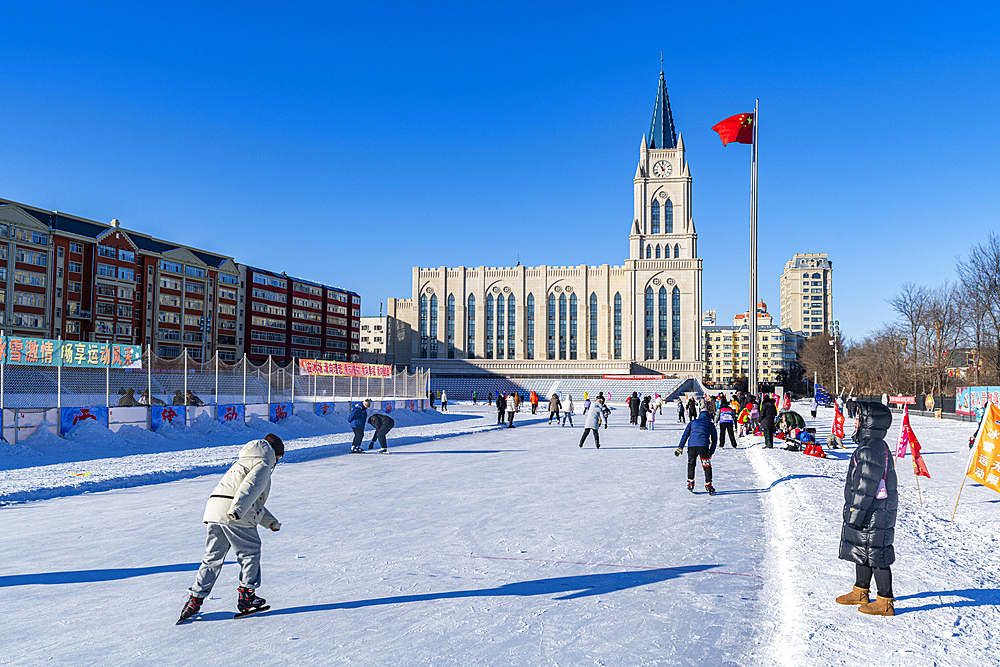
[662, 227]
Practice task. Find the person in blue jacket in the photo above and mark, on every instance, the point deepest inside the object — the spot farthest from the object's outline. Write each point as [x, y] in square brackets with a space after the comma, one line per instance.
[357, 419]
[703, 441]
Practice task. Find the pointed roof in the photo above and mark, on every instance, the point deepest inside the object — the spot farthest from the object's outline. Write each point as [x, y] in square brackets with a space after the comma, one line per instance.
[661, 130]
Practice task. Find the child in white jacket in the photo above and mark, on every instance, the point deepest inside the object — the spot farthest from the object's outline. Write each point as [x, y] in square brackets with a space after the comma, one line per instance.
[234, 510]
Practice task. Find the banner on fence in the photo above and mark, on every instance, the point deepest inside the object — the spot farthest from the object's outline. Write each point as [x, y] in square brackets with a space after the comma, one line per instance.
[411, 405]
[45, 352]
[280, 411]
[70, 417]
[319, 367]
[323, 409]
[167, 413]
[388, 406]
[234, 412]
[903, 400]
[970, 399]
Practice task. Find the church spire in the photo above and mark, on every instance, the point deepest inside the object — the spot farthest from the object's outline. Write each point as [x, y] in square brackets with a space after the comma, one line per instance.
[661, 130]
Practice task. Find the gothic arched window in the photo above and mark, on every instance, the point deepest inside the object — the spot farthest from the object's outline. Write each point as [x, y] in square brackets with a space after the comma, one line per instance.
[668, 217]
[470, 328]
[649, 252]
[572, 326]
[511, 326]
[657, 251]
[677, 251]
[433, 339]
[529, 315]
[654, 226]
[649, 323]
[489, 326]
[618, 325]
[449, 327]
[593, 325]
[500, 327]
[423, 326]
[664, 337]
[552, 326]
[676, 307]
[562, 326]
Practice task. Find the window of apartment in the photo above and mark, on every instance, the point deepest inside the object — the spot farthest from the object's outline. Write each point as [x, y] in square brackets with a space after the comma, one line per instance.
[30, 236]
[106, 270]
[340, 310]
[124, 311]
[170, 300]
[306, 303]
[227, 309]
[60, 253]
[269, 295]
[227, 324]
[126, 255]
[308, 289]
[168, 351]
[29, 257]
[76, 247]
[126, 293]
[170, 283]
[169, 318]
[126, 274]
[29, 299]
[194, 271]
[194, 304]
[269, 309]
[104, 289]
[107, 251]
[225, 293]
[29, 278]
[272, 336]
[173, 267]
[123, 329]
[333, 331]
[268, 350]
[228, 279]
[74, 267]
[305, 340]
[267, 322]
[105, 308]
[305, 315]
[307, 328]
[73, 327]
[192, 320]
[331, 319]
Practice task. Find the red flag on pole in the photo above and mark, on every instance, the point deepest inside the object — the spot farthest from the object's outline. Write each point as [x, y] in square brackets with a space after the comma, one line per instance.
[904, 433]
[738, 128]
[838, 422]
[919, 467]
[786, 404]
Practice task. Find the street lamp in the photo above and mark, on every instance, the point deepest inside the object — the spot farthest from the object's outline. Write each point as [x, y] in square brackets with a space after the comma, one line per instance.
[836, 369]
[938, 325]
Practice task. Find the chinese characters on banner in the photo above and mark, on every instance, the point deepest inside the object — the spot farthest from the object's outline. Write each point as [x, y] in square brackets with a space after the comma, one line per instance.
[838, 422]
[45, 352]
[318, 367]
[985, 464]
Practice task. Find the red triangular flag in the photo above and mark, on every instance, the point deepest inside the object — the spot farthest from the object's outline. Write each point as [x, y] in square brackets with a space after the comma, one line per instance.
[919, 467]
[738, 128]
[904, 434]
[787, 403]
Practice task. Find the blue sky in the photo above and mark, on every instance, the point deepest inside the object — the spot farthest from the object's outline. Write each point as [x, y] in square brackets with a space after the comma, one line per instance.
[349, 142]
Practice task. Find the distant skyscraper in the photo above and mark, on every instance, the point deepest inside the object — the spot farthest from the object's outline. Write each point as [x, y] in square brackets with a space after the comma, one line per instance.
[807, 294]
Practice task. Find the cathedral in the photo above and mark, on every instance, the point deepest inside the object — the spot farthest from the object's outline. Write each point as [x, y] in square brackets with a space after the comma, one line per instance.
[642, 317]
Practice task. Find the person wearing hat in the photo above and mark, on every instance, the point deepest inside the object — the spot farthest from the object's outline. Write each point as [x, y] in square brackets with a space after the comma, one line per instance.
[357, 419]
[234, 510]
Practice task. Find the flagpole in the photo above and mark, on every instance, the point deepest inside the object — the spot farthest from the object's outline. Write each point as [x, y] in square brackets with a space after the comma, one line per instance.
[753, 388]
[919, 495]
[968, 465]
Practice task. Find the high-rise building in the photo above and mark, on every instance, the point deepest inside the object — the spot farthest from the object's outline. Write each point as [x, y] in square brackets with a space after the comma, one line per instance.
[807, 294]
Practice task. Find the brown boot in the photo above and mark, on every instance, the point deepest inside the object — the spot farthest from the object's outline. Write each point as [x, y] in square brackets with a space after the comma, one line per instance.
[856, 596]
[881, 607]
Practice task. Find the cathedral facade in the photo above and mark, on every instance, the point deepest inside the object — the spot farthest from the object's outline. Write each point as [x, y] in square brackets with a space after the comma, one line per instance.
[640, 317]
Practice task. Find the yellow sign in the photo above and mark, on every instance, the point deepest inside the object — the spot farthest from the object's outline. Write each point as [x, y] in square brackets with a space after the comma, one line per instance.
[984, 466]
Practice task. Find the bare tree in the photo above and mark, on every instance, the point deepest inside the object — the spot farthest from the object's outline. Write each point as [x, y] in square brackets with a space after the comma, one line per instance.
[980, 276]
[912, 305]
[816, 359]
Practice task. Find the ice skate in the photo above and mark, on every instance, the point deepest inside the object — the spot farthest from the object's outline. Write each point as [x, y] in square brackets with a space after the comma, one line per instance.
[249, 603]
[191, 608]
[710, 489]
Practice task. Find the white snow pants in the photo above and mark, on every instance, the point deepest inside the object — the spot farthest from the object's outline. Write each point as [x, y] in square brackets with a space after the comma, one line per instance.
[244, 541]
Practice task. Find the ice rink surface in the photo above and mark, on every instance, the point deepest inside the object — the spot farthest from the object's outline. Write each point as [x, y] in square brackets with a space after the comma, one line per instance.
[476, 545]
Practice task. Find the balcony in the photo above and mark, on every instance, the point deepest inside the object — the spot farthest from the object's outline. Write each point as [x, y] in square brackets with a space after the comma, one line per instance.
[78, 315]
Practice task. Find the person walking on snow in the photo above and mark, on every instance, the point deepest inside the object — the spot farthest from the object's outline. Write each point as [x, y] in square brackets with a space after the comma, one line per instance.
[534, 402]
[382, 423]
[652, 417]
[511, 405]
[768, 413]
[444, 401]
[593, 422]
[704, 439]
[680, 410]
[658, 404]
[501, 407]
[692, 409]
[813, 407]
[554, 405]
[568, 412]
[870, 502]
[357, 419]
[234, 510]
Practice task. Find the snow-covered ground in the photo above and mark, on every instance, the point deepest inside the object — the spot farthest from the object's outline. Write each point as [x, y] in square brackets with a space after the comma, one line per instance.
[474, 545]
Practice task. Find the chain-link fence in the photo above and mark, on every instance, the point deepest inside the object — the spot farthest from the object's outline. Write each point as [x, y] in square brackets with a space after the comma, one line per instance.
[186, 381]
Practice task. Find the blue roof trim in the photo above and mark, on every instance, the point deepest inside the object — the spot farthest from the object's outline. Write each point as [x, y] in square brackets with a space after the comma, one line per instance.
[661, 130]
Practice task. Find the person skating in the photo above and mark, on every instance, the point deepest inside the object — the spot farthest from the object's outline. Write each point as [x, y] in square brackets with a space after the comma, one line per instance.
[870, 503]
[475, 397]
[511, 407]
[768, 413]
[593, 422]
[692, 409]
[382, 423]
[568, 412]
[652, 417]
[534, 402]
[704, 439]
[680, 411]
[643, 410]
[489, 398]
[726, 425]
[554, 405]
[234, 510]
[501, 407]
[357, 419]
[658, 404]
[633, 408]
[444, 401]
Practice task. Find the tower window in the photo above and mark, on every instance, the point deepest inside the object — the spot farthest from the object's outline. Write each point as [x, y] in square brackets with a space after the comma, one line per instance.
[654, 226]
[649, 252]
[657, 251]
[668, 217]
[677, 251]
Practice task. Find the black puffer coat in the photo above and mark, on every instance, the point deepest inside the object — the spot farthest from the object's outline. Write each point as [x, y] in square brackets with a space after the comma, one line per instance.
[767, 414]
[870, 522]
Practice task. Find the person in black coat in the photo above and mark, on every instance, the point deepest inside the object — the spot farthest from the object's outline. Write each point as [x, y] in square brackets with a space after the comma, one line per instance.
[501, 407]
[870, 502]
[692, 409]
[633, 408]
[643, 410]
[382, 423]
[768, 413]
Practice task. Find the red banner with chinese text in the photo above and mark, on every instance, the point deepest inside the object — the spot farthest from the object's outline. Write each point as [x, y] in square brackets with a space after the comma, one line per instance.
[343, 368]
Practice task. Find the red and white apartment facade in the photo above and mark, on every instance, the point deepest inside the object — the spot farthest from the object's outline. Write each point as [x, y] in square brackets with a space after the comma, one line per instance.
[69, 277]
[294, 318]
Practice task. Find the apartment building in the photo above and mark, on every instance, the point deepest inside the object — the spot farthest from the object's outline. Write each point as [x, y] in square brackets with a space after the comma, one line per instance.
[373, 339]
[290, 317]
[727, 349]
[807, 295]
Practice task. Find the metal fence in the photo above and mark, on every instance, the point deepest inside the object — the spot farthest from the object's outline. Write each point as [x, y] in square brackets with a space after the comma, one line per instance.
[186, 381]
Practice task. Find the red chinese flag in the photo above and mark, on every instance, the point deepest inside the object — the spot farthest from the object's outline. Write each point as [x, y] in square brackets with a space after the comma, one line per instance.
[738, 128]
[838, 422]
